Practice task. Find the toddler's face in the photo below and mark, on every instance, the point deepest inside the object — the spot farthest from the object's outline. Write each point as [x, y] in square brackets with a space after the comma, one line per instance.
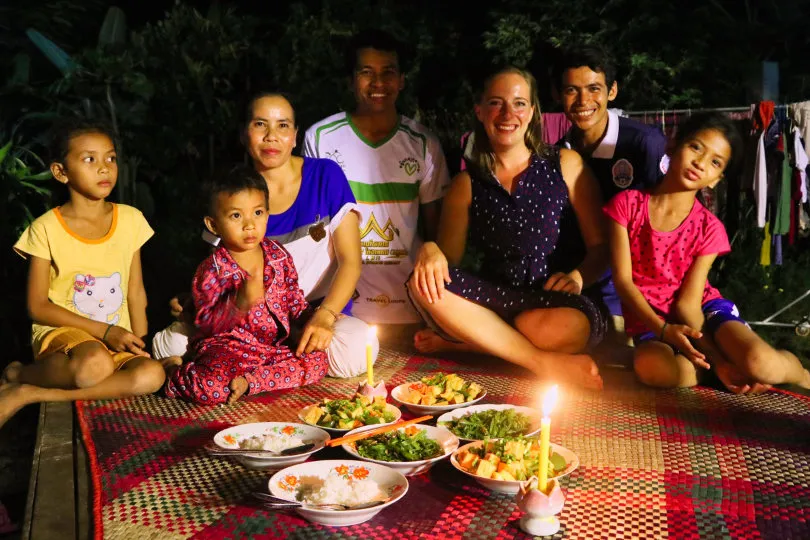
[240, 219]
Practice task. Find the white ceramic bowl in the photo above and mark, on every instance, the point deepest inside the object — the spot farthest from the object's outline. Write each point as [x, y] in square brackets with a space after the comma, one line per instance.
[446, 440]
[534, 415]
[512, 486]
[399, 393]
[285, 484]
[231, 437]
[388, 407]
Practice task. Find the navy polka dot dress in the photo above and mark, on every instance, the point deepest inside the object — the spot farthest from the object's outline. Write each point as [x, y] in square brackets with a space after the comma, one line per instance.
[517, 235]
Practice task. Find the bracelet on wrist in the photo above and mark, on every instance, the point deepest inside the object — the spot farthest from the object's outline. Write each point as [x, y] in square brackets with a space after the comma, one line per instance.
[326, 309]
[662, 330]
[107, 331]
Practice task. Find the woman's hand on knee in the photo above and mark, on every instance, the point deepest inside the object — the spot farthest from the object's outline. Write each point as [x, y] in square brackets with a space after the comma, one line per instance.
[179, 307]
[431, 272]
[317, 334]
[562, 282]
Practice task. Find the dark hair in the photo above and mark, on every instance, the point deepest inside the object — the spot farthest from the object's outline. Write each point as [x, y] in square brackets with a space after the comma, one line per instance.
[232, 180]
[715, 121]
[66, 129]
[592, 57]
[373, 38]
[482, 156]
[264, 94]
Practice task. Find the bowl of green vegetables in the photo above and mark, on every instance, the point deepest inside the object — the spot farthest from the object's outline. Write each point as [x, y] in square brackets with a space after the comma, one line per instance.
[408, 450]
[480, 422]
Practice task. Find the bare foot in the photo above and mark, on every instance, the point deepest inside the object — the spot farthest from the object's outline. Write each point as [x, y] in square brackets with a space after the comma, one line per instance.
[238, 388]
[171, 362]
[428, 341]
[11, 373]
[582, 371]
[737, 383]
[13, 397]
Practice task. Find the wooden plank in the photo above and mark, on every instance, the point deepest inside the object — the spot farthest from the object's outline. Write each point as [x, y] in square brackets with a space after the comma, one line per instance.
[53, 508]
[84, 501]
[32, 482]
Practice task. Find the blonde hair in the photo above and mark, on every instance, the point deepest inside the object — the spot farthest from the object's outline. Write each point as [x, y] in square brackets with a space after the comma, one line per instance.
[482, 155]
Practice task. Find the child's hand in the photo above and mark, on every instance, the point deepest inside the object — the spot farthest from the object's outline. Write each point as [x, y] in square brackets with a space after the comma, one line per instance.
[678, 335]
[123, 341]
[317, 333]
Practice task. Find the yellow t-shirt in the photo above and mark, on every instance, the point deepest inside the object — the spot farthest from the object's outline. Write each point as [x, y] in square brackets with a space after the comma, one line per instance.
[88, 277]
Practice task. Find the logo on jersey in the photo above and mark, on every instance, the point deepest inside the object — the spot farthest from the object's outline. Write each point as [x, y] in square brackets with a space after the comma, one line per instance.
[336, 157]
[410, 166]
[622, 173]
[378, 250]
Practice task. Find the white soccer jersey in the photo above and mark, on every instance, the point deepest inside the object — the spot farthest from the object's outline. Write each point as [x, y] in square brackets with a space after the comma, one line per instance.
[390, 179]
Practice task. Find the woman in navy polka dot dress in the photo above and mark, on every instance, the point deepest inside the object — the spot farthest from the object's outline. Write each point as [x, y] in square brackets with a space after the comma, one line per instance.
[524, 304]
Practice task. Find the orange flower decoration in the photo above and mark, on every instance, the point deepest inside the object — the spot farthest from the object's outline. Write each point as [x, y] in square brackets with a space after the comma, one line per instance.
[230, 439]
[291, 480]
[342, 470]
[360, 473]
[288, 430]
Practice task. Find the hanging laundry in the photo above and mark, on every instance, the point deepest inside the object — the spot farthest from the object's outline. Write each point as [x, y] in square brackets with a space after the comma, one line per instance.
[761, 182]
[765, 251]
[783, 190]
[800, 114]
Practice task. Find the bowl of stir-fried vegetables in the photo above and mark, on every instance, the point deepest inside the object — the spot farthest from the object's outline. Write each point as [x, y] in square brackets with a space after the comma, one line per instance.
[437, 393]
[409, 450]
[502, 464]
[342, 415]
[491, 421]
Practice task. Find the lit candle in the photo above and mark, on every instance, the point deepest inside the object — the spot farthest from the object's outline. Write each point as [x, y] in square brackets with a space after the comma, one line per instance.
[372, 331]
[545, 433]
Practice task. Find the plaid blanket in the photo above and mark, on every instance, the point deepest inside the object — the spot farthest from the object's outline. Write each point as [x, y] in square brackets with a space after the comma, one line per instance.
[692, 463]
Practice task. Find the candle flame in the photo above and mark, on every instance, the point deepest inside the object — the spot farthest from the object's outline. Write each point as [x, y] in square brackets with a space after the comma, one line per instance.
[549, 400]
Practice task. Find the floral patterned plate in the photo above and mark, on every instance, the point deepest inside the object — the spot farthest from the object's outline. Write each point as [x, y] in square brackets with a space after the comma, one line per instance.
[285, 433]
[291, 483]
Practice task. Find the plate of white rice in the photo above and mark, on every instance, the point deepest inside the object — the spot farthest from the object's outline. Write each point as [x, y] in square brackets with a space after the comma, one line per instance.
[343, 481]
[273, 436]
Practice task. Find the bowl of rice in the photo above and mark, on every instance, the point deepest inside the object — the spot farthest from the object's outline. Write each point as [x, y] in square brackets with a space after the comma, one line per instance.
[338, 481]
[274, 436]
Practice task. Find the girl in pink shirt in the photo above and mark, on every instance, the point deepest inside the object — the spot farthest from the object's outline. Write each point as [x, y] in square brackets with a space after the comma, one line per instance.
[663, 244]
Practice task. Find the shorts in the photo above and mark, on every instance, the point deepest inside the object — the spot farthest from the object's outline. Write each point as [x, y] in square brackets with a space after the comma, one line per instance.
[65, 339]
[716, 312]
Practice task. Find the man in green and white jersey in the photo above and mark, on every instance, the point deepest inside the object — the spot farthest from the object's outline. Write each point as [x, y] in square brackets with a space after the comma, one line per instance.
[397, 172]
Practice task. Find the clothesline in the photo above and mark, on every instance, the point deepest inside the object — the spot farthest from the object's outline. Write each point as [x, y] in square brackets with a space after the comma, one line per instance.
[680, 111]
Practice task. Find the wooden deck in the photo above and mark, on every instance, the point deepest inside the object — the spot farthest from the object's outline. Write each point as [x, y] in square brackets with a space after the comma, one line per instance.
[59, 499]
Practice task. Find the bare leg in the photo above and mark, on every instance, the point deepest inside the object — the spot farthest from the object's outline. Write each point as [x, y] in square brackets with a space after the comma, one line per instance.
[428, 341]
[137, 377]
[485, 330]
[238, 388]
[732, 377]
[87, 365]
[756, 359]
[657, 365]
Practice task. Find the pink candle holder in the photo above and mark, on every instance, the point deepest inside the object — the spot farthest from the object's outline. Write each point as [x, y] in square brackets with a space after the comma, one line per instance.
[541, 508]
[371, 392]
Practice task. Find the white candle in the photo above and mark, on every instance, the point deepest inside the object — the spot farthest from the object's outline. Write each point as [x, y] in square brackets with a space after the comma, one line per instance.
[372, 331]
[549, 400]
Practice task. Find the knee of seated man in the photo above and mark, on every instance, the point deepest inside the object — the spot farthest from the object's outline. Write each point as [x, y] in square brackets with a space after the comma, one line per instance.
[91, 365]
